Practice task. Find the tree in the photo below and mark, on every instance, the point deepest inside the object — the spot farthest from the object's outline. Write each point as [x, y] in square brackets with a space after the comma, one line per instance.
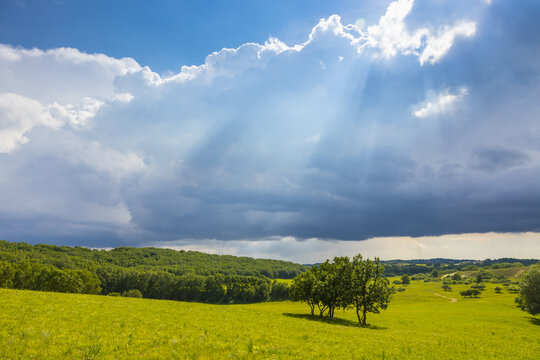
[479, 277]
[335, 278]
[405, 279]
[456, 277]
[280, 291]
[434, 273]
[303, 289]
[446, 287]
[469, 293]
[370, 291]
[529, 296]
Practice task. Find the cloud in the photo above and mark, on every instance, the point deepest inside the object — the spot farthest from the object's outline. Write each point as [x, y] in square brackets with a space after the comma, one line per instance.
[313, 250]
[261, 141]
[391, 35]
[498, 159]
[62, 75]
[442, 103]
[18, 115]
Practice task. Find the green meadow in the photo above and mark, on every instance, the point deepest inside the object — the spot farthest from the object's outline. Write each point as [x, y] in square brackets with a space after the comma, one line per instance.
[421, 323]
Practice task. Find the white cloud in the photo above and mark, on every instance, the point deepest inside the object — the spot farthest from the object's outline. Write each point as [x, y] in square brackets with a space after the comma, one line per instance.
[392, 36]
[18, 115]
[437, 46]
[313, 250]
[441, 104]
[76, 114]
[62, 75]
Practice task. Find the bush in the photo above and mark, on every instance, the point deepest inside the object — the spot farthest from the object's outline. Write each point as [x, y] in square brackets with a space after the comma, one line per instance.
[446, 287]
[456, 277]
[405, 279]
[133, 293]
[498, 290]
[397, 282]
[480, 287]
[469, 293]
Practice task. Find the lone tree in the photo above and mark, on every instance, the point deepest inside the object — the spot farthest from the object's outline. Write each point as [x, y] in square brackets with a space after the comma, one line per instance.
[405, 279]
[446, 287]
[529, 296]
[344, 284]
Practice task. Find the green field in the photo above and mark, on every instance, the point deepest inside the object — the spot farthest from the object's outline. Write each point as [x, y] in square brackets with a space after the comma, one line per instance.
[417, 325]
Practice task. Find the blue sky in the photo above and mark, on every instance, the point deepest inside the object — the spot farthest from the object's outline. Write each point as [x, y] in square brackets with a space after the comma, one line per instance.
[275, 130]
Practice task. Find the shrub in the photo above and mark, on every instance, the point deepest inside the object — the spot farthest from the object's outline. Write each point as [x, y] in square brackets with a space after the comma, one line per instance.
[446, 287]
[469, 293]
[133, 293]
[480, 287]
[405, 279]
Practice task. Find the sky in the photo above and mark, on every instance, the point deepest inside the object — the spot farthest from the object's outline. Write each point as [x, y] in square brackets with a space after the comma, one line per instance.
[292, 130]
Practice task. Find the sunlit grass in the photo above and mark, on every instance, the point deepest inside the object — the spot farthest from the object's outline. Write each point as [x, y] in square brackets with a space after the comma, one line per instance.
[418, 325]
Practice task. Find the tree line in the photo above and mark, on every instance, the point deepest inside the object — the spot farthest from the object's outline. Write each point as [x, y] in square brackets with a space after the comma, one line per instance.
[342, 283]
[109, 280]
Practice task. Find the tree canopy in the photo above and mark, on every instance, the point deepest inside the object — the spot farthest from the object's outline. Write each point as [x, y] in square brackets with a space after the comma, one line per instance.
[529, 296]
[343, 283]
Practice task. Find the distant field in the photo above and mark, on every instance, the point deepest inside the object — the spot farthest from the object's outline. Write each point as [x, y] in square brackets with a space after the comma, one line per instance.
[418, 325]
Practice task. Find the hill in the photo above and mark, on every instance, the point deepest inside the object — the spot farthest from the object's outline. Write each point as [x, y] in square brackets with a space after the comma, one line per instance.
[148, 258]
[148, 272]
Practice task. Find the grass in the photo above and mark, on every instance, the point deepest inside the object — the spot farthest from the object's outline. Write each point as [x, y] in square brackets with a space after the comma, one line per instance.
[417, 325]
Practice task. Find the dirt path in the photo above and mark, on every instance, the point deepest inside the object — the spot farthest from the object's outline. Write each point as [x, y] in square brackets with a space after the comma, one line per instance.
[446, 297]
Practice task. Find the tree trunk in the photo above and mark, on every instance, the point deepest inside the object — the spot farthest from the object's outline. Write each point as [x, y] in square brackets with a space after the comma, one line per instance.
[364, 317]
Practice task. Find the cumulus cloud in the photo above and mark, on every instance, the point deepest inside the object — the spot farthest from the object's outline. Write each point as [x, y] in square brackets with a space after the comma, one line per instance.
[391, 35]
[261, 141]
[441, 104]
[18, 115]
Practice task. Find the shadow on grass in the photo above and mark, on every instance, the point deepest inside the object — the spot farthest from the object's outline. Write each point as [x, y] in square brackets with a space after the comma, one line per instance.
[334, 321]
[534, 320]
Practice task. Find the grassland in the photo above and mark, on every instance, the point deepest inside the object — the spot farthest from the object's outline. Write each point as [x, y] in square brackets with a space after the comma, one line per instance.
[418, 325]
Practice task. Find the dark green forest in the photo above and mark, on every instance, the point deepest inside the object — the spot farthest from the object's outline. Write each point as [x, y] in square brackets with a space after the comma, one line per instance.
[155, 273]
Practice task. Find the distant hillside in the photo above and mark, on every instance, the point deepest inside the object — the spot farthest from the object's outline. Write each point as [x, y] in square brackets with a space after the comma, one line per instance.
[422, 266]
[156, 259]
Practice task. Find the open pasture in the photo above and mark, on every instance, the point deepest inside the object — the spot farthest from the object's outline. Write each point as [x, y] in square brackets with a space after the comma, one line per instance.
[419, 324]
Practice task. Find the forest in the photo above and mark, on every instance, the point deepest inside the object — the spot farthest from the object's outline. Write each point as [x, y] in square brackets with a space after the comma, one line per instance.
[147, 272]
